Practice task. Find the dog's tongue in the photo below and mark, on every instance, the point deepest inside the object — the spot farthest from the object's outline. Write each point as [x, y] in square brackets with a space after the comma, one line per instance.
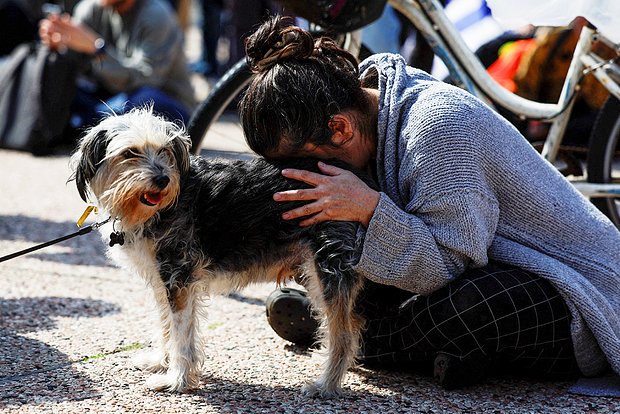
[153, 198]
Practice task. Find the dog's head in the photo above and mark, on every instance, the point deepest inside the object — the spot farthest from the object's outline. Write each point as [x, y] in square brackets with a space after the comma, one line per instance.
[132, 164]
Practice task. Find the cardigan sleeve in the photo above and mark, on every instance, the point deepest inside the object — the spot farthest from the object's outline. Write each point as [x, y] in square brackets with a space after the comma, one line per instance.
[422, 251]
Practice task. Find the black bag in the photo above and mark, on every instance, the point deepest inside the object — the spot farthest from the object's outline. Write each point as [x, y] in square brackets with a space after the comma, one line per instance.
[16, 25]
[340, 16]
[37, 86]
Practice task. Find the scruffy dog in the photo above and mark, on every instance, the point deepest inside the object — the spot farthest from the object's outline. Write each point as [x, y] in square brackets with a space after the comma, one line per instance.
[193, 227]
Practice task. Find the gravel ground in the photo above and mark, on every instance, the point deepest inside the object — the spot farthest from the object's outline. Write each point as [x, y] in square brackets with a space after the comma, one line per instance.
[71, 323]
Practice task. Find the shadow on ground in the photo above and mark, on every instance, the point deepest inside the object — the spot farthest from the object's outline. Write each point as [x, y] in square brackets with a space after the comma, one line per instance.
[87, 249]
[231, 396]
[395, 391]
[31, 371]
[245, 299]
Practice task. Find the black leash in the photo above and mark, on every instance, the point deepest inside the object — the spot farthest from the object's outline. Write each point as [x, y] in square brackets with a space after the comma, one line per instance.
[80, 232]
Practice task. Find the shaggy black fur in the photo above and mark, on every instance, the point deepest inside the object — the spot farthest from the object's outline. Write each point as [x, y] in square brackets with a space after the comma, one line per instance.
[228, 214]
[222, 232]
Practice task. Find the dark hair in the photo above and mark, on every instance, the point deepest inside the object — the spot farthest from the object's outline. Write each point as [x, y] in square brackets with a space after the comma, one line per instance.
[300, 83]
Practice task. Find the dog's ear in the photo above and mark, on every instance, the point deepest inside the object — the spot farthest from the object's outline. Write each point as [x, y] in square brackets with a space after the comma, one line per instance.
[92, 151]
[180, 146]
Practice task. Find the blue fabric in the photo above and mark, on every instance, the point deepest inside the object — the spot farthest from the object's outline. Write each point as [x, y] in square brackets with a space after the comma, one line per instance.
[90, 107]
[383, 35]
[607, 386]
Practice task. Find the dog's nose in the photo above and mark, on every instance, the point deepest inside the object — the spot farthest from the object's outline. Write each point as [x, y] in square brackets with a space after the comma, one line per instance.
[162, 181]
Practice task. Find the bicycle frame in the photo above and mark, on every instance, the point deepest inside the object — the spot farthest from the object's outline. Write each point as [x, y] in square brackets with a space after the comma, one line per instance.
[467, 71]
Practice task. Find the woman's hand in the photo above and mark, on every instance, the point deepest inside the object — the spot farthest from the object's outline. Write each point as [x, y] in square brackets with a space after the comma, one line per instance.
[337, 195]
[61, 32]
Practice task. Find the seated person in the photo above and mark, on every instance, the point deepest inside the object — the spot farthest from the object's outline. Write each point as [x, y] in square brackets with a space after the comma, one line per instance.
[480, 256]
[133, 52]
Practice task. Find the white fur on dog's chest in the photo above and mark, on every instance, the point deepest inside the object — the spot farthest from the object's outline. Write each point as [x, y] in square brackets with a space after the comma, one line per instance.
[137, 255]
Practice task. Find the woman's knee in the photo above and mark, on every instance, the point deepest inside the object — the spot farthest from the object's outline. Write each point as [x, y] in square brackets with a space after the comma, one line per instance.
[493, 291]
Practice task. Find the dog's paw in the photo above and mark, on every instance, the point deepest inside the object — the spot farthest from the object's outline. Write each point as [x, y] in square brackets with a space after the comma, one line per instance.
[150, 361]
[170, 382]
[319, 389]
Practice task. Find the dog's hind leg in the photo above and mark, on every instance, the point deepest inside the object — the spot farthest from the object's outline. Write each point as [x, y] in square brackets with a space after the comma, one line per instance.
[336, 295]
[184, 355]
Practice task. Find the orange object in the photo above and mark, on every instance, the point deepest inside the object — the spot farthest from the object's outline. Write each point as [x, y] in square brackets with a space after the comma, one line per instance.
[503, 70]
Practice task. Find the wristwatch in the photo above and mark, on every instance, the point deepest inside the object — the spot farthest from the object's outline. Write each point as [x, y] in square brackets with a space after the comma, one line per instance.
[99, 46]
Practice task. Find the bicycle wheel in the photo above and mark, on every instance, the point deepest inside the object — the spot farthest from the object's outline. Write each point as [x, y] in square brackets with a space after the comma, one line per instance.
[230, 85]
[603, 163]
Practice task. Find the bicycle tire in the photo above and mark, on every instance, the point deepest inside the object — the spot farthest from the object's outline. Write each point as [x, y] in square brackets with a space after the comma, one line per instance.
[603, 150]
[230, 85]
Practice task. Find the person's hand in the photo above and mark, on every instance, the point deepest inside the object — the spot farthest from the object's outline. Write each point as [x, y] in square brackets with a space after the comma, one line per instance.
[337, 195]
[59, 32]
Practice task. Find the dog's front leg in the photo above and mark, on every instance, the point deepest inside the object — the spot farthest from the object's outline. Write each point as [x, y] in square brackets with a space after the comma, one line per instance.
[157, 360]
[184, 356]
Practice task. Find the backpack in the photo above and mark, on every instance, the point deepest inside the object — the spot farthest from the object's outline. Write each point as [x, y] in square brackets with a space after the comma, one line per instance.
[37, 87]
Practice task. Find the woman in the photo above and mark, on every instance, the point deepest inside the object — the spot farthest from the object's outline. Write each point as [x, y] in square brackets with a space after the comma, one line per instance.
[511, 265]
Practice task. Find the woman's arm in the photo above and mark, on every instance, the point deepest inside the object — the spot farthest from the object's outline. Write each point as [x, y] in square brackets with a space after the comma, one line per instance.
[337, 195]
[423, 250]
[420, 250]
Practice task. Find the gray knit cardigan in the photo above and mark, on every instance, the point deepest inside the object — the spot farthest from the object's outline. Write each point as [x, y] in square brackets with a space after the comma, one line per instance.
[461, 186]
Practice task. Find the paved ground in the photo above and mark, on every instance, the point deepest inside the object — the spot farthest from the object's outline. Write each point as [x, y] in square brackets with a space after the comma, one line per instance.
[71, 322]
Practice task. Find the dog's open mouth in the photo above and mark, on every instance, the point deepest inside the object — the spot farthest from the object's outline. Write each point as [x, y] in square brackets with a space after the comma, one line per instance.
[151, 199]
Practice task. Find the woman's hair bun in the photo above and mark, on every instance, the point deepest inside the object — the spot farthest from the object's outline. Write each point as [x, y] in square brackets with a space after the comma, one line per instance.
[275, 41]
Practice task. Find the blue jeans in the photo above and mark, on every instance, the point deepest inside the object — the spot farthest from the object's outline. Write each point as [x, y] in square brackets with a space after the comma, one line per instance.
[90, 106]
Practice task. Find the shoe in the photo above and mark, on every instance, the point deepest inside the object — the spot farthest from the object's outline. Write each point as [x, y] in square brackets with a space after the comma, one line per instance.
[290, 316]
[452, 373]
